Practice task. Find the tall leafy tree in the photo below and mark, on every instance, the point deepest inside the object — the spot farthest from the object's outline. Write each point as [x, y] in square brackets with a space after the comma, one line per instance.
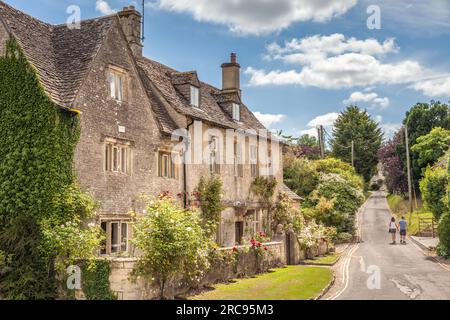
[396, 179]
[356, 125]
[421, 119]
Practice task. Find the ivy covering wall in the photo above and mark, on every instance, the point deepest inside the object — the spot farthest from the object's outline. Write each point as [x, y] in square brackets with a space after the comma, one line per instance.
[37, 143]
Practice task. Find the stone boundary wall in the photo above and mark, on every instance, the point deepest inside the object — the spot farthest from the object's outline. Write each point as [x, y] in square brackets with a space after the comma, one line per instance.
[247, 264]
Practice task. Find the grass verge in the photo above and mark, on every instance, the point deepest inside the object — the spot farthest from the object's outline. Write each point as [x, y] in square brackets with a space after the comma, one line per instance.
[400, 207]
[328, 260]
[290, 283]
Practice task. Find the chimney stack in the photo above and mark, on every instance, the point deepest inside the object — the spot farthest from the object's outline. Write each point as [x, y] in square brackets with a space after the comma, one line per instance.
[131, 21]
[231, 75]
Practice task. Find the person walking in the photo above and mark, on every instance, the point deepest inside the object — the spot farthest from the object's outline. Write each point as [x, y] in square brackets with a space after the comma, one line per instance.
[393, 228]
[403, 230]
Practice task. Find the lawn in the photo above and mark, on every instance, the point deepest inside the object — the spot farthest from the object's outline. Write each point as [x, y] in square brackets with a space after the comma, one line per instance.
[400, 207]
[327, 260]
[290, 283]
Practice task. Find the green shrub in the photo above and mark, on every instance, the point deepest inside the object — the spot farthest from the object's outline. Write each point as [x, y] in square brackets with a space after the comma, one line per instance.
[95, 281]
[172, 243]
[345, 199]
[434, 188]
[209, 194]
[444, 234]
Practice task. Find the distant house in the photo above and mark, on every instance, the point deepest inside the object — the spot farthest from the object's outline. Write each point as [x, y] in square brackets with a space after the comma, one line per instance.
[135, 115]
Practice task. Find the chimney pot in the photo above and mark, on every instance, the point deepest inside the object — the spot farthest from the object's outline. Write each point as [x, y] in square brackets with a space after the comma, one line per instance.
[233, 58]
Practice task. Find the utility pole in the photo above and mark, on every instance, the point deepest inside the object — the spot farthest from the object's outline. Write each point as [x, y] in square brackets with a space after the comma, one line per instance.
[353, 153]
[408, 165]
[321, 136]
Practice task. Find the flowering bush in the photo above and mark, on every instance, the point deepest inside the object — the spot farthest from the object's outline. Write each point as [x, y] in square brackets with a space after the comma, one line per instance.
[172, 243]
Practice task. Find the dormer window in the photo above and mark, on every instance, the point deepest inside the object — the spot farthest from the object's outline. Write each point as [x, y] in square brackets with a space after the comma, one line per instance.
[195, 97]
[236, 112]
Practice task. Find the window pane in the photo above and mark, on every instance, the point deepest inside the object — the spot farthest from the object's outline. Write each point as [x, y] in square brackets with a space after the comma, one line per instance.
[165, 166]
[115, 243]
[115, 159]
[195, 96]
[236, 112]
[119, 86]
[108, 157]
[124, 154]
[112, 84]
[124, 244]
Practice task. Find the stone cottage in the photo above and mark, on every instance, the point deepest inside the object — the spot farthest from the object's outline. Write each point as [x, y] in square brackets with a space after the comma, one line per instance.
[145, 127]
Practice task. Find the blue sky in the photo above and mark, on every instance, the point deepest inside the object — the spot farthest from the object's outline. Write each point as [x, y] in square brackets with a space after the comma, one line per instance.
[302, 60]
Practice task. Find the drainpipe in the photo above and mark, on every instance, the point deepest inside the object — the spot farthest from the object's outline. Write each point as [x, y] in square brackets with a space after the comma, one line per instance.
[185, 166]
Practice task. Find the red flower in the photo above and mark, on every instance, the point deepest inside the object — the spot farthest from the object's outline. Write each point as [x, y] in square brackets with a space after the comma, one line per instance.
[266, 249]
[235, 249]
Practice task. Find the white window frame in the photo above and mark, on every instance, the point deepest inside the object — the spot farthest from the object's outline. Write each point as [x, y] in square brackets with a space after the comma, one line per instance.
[236, 112]
[195, 96]
[123, 241]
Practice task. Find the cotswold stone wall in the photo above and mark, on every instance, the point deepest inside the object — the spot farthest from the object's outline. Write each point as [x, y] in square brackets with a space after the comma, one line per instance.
[246, 264]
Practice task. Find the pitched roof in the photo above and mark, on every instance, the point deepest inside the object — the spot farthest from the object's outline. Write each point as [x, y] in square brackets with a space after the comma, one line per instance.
[164, 80]
[61, 56]
[291, 194]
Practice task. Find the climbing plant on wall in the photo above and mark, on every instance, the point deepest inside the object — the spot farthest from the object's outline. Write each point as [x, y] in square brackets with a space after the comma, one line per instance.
[37, 140]
[209, 194]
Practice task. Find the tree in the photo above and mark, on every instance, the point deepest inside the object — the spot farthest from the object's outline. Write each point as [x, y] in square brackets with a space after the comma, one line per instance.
[431, 147]
[173, 244]
[393, 166]
[356, 125]
[421, 119]
[301, 176]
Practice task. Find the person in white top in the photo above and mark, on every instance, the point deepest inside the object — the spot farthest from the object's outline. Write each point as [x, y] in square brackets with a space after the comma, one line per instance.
[393, 228]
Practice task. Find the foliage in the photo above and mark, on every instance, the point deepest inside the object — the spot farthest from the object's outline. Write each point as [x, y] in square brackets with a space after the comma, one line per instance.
[431, 147]
[434, 189]
[264, 188]
[66, 235]
[38, 143]
[444, 235]
[310, 235]
[345, 170]
[356, 125]
[301, 177]
[95, 281]
[393, 166]
[335, 202]
[287, 213]
[209, 193]
[304, 146]
[421, 119]
[173, 244]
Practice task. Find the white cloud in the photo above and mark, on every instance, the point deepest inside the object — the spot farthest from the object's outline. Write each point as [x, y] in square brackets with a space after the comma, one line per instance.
[257, 16]
[103, 7]
[269, 119]
[336, 62]
[439, 87]
[368, 97]
[389, 128]
[326, 120]
[414, 16]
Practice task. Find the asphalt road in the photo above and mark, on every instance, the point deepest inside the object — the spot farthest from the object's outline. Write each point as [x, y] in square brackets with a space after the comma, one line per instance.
[377, 270]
